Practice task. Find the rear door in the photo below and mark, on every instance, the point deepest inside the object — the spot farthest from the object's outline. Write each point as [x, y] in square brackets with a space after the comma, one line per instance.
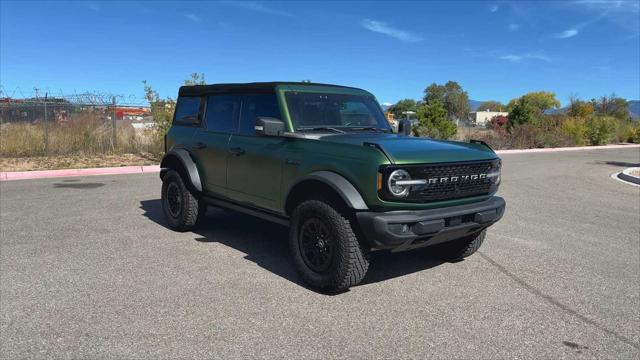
[255, 164]
[211, 144]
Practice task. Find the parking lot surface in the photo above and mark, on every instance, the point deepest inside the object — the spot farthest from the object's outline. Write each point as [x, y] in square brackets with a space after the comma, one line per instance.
[88, 270]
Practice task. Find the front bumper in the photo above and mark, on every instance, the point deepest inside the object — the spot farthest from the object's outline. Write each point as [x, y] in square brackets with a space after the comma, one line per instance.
[409, 229]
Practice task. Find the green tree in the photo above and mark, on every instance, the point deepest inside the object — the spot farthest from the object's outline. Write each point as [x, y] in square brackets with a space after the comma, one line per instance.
[401, 106]
[195, 79]
[452, 96]
[580, 109]
[539, 101]
[162, 114]
[433, 122]
[611, 106]
[491, 106]
[521, 112]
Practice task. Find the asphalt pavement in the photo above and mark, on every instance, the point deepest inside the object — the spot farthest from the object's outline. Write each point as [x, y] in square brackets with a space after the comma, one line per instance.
[88, 270]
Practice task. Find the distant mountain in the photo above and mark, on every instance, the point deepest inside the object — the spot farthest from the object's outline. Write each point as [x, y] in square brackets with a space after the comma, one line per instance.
[475, 104]
[634, 109]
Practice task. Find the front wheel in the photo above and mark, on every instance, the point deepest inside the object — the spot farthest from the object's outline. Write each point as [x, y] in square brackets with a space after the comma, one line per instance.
[181, 209]
[325, 249]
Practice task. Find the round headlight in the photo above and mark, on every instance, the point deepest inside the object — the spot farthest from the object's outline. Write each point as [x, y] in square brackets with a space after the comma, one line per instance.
[394, 188]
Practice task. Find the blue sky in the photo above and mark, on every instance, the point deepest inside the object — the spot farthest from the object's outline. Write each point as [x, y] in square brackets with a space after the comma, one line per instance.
[495, 50]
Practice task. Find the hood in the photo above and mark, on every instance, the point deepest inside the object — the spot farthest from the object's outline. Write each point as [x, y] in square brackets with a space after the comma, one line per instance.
[414, 150]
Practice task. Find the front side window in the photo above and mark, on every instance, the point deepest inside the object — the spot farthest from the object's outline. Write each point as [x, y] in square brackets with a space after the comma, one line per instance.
[222, 113]
[255, 106]
[187, 109]
[346, 112]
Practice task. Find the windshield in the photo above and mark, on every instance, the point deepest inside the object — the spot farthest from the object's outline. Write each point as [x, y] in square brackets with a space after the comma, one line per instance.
[336, 112]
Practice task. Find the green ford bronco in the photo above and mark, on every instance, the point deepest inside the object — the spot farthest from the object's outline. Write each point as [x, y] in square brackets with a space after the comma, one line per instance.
[323, 160]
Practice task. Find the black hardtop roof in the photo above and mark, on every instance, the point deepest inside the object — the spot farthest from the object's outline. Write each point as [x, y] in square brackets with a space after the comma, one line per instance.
[254, 87]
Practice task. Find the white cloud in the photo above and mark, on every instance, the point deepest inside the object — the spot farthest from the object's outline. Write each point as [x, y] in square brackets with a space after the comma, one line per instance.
[386, 29]
[610, 4]
[538, 56]
[256, 6]
[527, 56]
[623, 13]
[387, 104]
[514, 27]
[91, 5]
[193, 17]
[493, 8]
[511, 57]
[569, 33]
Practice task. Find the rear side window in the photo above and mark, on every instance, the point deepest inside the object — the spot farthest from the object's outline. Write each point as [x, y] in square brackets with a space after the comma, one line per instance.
[255, 106]
[222, 113]
[187, 109]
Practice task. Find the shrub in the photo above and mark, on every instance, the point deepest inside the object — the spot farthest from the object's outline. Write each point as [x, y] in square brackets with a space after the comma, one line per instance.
[575, 129]
[433, 122]
[632, 134]
[600, 129]
[498, 123]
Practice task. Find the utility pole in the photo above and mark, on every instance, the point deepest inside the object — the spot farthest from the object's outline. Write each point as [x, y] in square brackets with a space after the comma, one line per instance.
[46, 126]
[113, 125]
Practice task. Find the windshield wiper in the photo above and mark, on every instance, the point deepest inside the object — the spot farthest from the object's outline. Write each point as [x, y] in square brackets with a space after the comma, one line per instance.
[320, 128]
[370, 128]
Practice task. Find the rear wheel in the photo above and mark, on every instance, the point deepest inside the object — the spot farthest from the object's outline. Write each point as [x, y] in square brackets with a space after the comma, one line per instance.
[181, 209]
[324, 247]
[460, 248]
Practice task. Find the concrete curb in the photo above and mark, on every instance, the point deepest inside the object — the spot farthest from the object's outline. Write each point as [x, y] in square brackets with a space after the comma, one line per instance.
[625, 175]
[44, 174]
[577, 148]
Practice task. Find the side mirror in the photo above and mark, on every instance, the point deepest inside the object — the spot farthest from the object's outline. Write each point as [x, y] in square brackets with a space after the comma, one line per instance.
[404, 127]
[266, 126]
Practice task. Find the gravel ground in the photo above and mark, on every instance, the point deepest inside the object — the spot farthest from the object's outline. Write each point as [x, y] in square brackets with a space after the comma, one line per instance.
[88, 270]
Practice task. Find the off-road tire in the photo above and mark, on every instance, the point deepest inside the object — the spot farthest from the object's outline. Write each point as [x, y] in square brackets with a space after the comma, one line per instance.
[460, 248]
[350, 260]
[184, 212]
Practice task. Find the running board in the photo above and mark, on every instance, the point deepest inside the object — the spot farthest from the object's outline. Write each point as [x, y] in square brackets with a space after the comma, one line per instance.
[278, 219]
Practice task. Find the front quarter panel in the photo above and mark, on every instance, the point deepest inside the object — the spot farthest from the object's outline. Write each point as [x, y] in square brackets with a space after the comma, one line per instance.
[357, 164]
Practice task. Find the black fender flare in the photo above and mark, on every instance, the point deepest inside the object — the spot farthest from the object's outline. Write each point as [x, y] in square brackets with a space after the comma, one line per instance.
[339, 184]
[189, 167]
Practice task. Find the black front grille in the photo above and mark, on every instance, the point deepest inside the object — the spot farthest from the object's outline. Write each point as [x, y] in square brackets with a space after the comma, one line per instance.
[447, 181]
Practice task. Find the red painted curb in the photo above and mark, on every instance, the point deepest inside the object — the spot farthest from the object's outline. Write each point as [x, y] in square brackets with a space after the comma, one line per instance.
[43, 174]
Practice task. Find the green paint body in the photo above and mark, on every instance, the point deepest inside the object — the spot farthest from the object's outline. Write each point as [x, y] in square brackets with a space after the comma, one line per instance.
[270, 166]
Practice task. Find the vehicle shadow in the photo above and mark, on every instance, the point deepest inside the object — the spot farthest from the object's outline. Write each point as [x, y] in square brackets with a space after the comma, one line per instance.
[266, 244]
[618, 163]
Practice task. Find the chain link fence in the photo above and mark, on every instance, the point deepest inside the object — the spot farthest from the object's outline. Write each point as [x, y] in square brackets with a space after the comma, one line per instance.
[76, 124]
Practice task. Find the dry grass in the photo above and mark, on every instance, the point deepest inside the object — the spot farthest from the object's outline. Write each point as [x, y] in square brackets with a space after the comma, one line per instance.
[76, 161]
[467, 133]
[84, 135]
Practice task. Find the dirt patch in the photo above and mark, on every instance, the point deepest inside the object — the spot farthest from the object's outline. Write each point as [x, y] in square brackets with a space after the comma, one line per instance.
[76, 161]
[635, 173]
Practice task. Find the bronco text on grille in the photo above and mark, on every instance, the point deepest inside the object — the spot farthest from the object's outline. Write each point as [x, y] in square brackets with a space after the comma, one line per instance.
[446, 181]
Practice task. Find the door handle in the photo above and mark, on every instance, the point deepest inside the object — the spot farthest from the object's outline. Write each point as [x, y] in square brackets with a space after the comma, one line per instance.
[237, 151]
[200, 145]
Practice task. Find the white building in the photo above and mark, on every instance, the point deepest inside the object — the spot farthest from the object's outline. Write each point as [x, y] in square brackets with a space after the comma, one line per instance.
[482, 118]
